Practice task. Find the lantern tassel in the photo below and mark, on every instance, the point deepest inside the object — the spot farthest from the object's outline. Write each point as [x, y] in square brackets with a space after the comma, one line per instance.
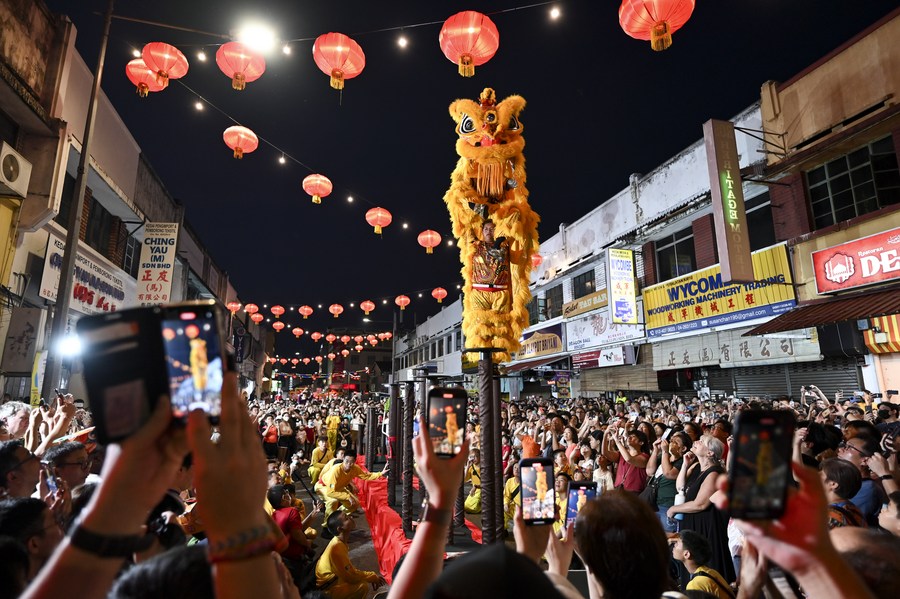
[660, 38]
[162, 78]
[239, 153]
[428, 250]
[142, 90]
[439, 300]
[304, 317]
[378, 229]
[337, 79]
[238, 82]
[402, 307]
[335, 315]
[466, 65]
[316, 200]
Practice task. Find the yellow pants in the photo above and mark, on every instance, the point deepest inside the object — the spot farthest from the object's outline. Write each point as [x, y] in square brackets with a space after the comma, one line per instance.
[347, 590]
[473, 503]
[332, 440]
[314, 472]
[339, 499]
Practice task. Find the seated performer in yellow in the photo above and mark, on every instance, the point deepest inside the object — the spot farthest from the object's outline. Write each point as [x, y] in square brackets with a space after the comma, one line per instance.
[319, 485]
[338, 479]
[512, 497]
[321, 456]
[335, 575]
[473, 475]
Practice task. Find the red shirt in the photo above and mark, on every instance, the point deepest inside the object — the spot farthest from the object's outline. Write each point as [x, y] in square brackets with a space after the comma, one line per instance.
[271, 434]
[288, 520]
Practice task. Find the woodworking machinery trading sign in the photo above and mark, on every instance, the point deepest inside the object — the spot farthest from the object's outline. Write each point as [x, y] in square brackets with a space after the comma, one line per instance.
[700, 300]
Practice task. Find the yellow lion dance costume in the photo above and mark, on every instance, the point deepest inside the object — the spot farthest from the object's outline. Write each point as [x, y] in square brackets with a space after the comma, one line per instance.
[488, 185]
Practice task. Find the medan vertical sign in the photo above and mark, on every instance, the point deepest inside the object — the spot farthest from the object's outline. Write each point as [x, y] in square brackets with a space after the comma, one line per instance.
[732, 236]
[622, 294]
[154, 278]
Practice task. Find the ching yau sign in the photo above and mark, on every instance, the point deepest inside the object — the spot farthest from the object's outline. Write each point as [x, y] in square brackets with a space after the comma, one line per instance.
[157, 266]
[865, 261]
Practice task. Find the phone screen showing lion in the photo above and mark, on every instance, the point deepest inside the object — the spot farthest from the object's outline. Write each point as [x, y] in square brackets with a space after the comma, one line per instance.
[538, 493]
[447, 419]
[193, 360]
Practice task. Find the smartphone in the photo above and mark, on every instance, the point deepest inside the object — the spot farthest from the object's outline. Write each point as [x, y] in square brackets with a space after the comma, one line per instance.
[447, 419]
[124, 369]
[580, 492]
[667, 433]
[52, 487]
[761, 467]
[195, 357]
[538, 492]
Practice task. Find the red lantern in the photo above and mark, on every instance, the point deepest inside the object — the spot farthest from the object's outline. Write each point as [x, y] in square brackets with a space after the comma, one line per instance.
[165, 60]
[318, 186]
[402, 301]
[233, 307]
[277, 311]
[373, 342]
[536, 260]
[283, 360]
[332, 356]
[256, 317]
[272, 360]
[251, 308]
[388, 335]
[336, 309]
[316, 336]
[439, 293]
[359, 338]
[381, 336]
[241, 63]
[277, 325]
[345, 352]
[142, 77]
[369, 338]
[319, 359]
[306, 360]
[358, 348]
[305, 311]
[295, 361]
[469, 39]
[429, 239]
[297, 331]
[241, 140]
[345, 338]
[654, 20]
[330, 338]
[339, 57]
[367, 306]
[378, 218]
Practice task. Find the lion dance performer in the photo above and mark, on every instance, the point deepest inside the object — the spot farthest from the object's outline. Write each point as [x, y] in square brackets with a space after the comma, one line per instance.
[495, 228]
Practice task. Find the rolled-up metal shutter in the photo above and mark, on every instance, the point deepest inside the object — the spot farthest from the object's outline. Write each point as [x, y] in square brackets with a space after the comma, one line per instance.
[830, 375]
[636, 377]
[767, 382]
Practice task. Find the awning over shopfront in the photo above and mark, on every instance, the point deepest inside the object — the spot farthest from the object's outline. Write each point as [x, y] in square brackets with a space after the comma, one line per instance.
[830, 311]
[527, 364]
[884, 335]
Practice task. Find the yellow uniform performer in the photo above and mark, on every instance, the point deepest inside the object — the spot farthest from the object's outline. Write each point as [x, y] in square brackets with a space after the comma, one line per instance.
[473, 500]
[336, 575]
[332, 423]
[336, 480]
[318, 460]
[512, 497]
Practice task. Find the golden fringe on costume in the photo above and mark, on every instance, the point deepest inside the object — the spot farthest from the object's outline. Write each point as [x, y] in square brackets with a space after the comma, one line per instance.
[489, 183]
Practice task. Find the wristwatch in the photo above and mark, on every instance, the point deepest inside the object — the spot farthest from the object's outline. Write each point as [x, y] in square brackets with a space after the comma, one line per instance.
[436, 516]
[886, 477]
[121, 546]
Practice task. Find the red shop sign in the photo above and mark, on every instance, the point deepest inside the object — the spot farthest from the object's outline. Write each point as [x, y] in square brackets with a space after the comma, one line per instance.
[872, 259]
[589, 359]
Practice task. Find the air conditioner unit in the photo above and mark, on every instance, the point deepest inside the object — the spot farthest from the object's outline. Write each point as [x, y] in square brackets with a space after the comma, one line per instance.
[15, 173]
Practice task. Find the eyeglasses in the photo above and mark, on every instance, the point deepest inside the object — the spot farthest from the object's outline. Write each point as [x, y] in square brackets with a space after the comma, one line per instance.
[846, 445]
[84, 464]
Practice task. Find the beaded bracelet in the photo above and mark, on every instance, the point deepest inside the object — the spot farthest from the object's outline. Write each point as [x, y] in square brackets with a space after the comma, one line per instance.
[245, 545]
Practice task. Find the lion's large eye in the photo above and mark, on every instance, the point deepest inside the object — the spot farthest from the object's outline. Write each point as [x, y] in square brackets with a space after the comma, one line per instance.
[513, 124]
[466, 125]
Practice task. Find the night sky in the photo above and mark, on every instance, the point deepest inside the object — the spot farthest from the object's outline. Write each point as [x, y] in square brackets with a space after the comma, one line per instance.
[601, 106]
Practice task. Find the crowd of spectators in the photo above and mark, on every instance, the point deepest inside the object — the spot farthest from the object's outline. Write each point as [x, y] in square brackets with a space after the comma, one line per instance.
[266, 502]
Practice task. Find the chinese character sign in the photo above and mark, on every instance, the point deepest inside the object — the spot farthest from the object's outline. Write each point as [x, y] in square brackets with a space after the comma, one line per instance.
[621, 289]
[154, 278]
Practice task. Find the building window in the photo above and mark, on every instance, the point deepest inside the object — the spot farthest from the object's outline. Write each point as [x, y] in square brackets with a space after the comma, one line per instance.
[132, 256]
[553, 302]
[440, 351]
[583, 284]
[99, 227]
[759, 222]
[536, 310]
[675, 255]
[855, 184]
[458, 340]
[66, 201]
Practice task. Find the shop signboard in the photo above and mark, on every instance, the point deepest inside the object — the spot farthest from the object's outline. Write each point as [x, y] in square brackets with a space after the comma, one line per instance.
[97, 288]
[617, 355]
[622, 292]
[158, 252]
[864, 261]
[729, 349]
[702, 299]
[732, 235]
[597, 329]
[595, 300]
[542, 342]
